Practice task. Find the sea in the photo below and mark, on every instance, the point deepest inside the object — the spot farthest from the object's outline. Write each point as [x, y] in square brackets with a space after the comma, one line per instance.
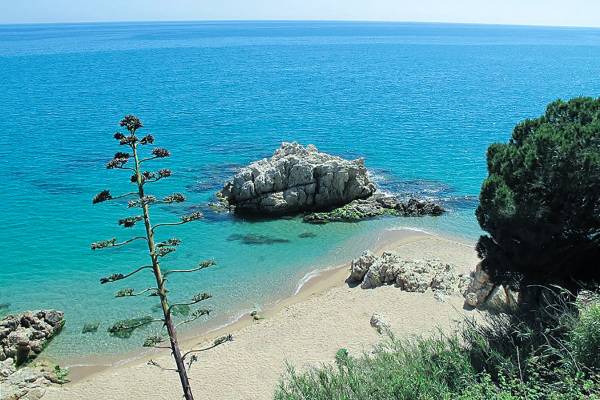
[419, 102]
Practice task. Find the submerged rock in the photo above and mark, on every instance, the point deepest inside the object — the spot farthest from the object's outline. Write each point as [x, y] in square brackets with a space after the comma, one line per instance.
[408, 275]
[253, 239]
[297, 179]
[375, 206]
[24, 336]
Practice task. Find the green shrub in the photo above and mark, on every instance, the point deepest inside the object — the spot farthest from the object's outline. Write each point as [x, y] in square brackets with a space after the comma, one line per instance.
[585, 336]
[553, 356]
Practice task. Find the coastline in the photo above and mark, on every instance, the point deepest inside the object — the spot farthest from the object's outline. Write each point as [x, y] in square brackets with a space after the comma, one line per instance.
[411, 243]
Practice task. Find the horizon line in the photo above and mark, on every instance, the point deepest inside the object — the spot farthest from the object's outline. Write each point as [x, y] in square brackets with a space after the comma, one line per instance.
[382, 21]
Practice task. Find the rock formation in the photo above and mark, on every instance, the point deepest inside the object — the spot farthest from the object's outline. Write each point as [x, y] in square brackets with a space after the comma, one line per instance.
[408, 275]
[375, 206]
[482, 293]
[297, 179]
[28, 383]
[24, 336]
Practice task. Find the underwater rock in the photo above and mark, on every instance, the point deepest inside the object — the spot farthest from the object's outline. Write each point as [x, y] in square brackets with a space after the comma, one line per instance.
[253, 239]
[306, 235]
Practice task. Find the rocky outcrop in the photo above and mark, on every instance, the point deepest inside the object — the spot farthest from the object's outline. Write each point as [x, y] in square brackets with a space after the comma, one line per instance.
[375, 206]
[483, 294]
[408, 275]
[479, 289]
[24, 336]
[28, 383]
[296, 179]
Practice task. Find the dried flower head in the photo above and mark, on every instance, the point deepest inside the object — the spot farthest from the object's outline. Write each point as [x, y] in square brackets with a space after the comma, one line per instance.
[169, 242]
[148, 175]
[146, 200]
[131, 123]
[148, 139]
[104, 244]
[192, 217]
[127, 292]
[116, 163]
[163, 251]
[130, 221]
[174, 198]
[102, 196]
[207, 263]
[223, 339]
[159, 152]
[130, 140]
[112, 278]
[201, 297]
[164, 173]
[119, 136]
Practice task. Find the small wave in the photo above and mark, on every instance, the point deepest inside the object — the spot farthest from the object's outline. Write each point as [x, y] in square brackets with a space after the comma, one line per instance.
[232, 320]
[306, 278]
[408, 228]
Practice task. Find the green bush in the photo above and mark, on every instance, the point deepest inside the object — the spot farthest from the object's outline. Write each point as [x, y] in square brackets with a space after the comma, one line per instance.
[585, 335]
[505, 357]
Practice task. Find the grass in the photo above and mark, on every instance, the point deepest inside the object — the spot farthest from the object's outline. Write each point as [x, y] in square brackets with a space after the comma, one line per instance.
[552, 354]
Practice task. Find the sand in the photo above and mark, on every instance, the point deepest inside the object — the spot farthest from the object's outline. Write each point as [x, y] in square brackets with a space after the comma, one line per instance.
[304, 330]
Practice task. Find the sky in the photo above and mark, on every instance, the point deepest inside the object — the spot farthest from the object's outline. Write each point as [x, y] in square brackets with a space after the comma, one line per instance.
[520, 12]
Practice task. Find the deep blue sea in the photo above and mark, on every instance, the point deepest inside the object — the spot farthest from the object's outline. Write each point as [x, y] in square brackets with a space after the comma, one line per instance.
[421, 103]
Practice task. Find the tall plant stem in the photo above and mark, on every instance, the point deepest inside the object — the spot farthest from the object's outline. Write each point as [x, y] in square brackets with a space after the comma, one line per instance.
[160, 282]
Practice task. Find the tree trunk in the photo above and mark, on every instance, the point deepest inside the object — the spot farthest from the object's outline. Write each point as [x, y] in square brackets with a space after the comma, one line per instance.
[185, 384]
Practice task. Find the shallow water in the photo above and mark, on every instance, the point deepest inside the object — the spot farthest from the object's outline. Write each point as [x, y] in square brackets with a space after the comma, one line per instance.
[421, 103]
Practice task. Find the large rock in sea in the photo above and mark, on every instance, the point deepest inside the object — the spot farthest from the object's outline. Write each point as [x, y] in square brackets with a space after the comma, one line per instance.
[296, 179]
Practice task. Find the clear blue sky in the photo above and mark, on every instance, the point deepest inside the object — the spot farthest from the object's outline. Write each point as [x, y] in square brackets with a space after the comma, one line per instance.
[527, 12]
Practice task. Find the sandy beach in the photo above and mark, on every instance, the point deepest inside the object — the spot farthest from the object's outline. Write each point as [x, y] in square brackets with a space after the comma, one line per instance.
[303, 330]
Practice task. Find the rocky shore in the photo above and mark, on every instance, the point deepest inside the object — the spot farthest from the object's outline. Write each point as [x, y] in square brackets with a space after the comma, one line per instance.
[376, 206]
[300, 179]
[22, 338]
[410, 275]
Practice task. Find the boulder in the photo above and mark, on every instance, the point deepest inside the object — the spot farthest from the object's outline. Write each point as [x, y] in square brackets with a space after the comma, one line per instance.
[409, 275]
[295, 179]
[480, 288]
[24, 336]
[360, 266]
[380, 323]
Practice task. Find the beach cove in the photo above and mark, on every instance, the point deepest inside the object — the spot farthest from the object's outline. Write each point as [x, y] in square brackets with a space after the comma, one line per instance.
[309, 320]
[420, 102]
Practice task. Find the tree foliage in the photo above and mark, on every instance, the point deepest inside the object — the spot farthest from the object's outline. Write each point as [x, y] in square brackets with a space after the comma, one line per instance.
[540, 203]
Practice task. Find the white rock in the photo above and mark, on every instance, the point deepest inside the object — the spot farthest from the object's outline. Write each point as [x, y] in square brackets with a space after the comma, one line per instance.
[380, 323]
[295, 179]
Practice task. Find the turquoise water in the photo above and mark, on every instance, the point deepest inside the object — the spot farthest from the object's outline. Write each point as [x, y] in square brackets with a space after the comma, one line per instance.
[421, 102]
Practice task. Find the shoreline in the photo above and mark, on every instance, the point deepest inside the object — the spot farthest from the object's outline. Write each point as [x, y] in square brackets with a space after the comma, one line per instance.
[312, 283]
